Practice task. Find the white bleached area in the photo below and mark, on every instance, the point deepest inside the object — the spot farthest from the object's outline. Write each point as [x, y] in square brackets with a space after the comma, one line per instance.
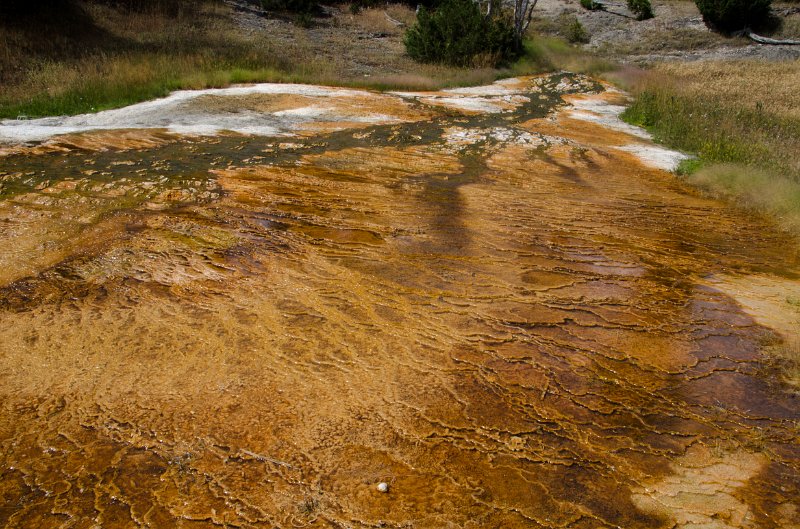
[500, 96]
[173, 113]
[503, 87]
[478, 104]
[605, 114]
[503, 135]
[497, 89]
[654, 156]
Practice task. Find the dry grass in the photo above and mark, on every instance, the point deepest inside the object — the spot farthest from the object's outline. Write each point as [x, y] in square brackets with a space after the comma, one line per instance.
[788, 352]
[121, 56]
[765, 86]
[756, 189]
[790, 28]
[787, 356]
[557, 54]
[378, 19]
[791, 353]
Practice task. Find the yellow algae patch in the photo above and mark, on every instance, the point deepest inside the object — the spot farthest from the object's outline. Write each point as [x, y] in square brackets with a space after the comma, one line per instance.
[561, 163]
[254, 102]
[387, 162]
[309, 115]
[113, 139]
[546, 280]
[468, 104]
[586, 133]
[97, 140]
[703, 491]
[39, 232]
[390, 107]
[662, 351]
[63, 219]
[337, 171]
[360, 105]
[772, 301]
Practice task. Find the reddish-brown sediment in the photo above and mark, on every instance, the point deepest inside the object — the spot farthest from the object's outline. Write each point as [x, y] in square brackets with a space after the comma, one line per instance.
[520, 327]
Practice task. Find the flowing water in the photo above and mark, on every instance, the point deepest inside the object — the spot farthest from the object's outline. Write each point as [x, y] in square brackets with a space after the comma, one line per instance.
[251, 306]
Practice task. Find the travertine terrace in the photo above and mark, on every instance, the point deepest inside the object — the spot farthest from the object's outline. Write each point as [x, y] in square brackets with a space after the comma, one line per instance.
[252, 306]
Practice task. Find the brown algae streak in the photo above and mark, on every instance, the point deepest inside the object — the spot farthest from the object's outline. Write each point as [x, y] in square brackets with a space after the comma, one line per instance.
[495, 310]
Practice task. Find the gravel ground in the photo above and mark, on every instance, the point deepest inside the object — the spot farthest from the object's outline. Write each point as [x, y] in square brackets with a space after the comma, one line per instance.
[356, 46]
[347, 45]
[676, 33]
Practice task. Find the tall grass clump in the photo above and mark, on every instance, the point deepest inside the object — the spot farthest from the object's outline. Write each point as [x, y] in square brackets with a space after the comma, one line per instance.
[551, 53]
[128, 51]
[757, 189]
[791, 352]
[93, 84]
[574, 31]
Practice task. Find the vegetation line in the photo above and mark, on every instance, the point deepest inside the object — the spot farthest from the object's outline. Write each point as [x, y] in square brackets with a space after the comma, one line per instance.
[745, 134]
[89, 85]
[146, 77]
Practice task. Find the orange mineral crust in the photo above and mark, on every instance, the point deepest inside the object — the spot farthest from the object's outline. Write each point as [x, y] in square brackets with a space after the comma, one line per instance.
[491, 318]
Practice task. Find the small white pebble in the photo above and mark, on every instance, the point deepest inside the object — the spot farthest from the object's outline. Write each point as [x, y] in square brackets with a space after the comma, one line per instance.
[383, 487]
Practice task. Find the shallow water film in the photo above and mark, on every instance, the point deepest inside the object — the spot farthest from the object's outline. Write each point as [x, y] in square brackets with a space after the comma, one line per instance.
[493, 300]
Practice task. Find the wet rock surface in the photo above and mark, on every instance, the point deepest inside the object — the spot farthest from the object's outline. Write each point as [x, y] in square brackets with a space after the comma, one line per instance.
[495, 307]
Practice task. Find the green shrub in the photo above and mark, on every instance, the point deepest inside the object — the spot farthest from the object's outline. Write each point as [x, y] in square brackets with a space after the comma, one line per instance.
[641, 8]
[458, 34]
[591, 5]
[732, 15]
[574, 31]
[304, 19]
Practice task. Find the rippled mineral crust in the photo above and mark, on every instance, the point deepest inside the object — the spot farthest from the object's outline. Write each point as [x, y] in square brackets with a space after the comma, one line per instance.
[496, 311]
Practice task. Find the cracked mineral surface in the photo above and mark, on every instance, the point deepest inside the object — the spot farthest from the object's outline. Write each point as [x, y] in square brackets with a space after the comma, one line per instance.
[494, 300]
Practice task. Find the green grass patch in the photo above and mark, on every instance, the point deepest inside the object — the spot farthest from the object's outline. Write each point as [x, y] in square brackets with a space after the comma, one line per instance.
[545, 53]
[87, 86]
[744, 153]
[718, 132]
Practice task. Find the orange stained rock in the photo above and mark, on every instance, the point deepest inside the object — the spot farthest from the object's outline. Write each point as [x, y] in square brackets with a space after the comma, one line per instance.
[526, 327]
[100, 140]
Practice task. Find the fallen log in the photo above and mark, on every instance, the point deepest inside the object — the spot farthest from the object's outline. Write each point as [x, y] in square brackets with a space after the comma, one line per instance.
[393, 20]
[764, 40]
